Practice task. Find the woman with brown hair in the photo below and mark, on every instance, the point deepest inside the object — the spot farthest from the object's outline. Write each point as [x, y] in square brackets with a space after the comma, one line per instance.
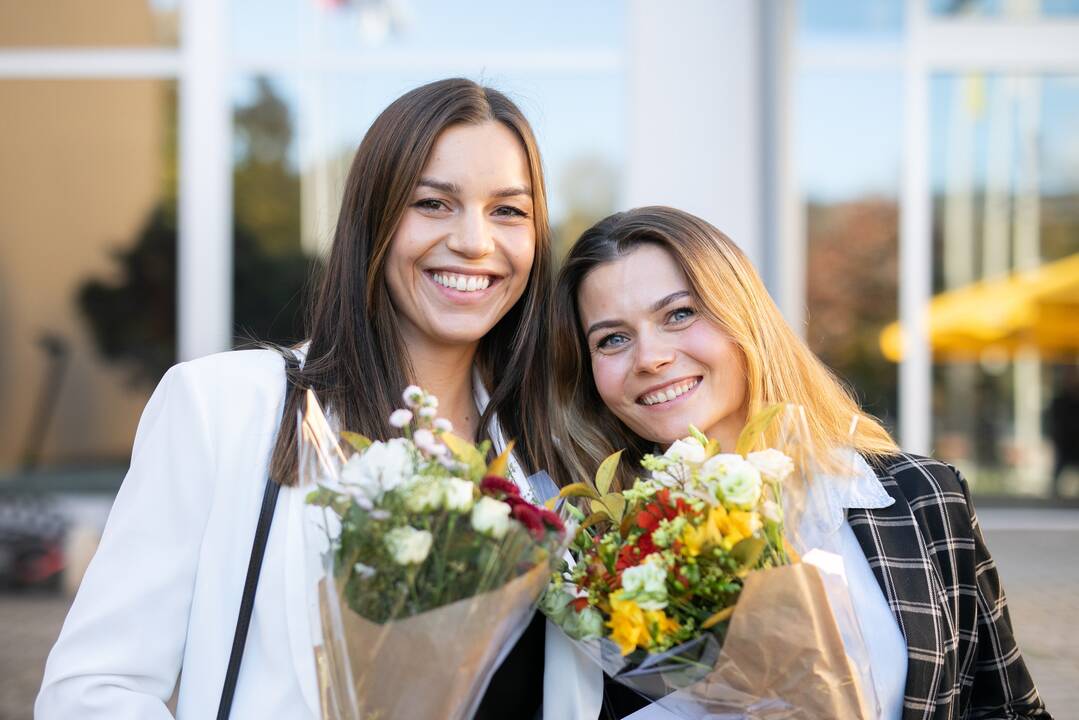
[660, 322]
[439, 275]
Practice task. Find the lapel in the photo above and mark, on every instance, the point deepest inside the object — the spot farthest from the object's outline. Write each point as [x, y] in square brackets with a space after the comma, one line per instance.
[895, 545]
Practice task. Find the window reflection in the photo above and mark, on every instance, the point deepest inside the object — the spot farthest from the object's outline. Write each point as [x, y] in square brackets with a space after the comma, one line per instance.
[1006, 233]
[87, 265]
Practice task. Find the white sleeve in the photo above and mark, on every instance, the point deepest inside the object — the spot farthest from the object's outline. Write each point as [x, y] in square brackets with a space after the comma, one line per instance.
[121, 646]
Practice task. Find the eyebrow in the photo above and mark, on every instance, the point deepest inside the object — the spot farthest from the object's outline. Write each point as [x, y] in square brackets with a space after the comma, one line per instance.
[454, 189]
[655, 307]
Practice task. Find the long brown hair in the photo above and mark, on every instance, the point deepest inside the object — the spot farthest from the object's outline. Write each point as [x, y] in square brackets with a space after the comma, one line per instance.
[357, 362]
[780, 368]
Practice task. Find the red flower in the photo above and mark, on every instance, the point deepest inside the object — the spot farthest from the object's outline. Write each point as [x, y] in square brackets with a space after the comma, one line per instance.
[495, 485]
[530, 518]
[579, 604]
[632, 555]
[551, 519]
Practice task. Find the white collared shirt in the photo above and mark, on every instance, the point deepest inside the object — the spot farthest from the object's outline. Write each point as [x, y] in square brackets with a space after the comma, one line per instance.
[825, 526]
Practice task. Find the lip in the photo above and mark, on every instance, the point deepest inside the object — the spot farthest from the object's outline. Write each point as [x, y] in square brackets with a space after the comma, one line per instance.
[669, 403]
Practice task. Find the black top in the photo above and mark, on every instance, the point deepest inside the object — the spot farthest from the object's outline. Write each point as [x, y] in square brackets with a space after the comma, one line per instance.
[516, 690]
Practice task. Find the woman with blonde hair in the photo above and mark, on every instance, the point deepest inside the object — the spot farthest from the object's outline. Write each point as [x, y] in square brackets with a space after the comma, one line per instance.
[660, 322]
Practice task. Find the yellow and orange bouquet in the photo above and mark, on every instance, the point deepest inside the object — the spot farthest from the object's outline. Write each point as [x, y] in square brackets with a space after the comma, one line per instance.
[684, 587]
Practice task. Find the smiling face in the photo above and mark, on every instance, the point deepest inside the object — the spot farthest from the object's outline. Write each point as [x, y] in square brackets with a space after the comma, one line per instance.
[658, 364]
[462, 253]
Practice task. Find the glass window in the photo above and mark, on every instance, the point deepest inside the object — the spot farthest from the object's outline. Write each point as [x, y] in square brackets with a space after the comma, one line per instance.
[295, 141]
[1006, 243]
[87, 266]
[848, 139]
[1004, 8]
[423, 27]
[850, 19]
[77, 23]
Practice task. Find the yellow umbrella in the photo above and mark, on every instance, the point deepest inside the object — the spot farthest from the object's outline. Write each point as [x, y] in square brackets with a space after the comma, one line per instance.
[1038, 309]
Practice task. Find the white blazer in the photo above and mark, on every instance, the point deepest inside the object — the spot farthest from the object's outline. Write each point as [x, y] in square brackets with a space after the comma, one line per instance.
[161, 596]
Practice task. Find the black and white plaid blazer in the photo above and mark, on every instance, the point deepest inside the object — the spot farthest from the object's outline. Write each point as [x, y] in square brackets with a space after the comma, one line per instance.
[928, 555]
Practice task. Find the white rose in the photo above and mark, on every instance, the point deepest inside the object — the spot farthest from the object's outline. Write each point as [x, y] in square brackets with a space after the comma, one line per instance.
[458, 494]
[381, 467]
[424, 439]
[772, 511]
[358, 483]
[423, 494]
[491, 517]
[773, 464]
[408, 545]
[646, 584]
[738, 481]
[686, 450]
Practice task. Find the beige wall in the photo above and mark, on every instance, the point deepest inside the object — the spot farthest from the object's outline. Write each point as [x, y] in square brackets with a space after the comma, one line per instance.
[80, 169]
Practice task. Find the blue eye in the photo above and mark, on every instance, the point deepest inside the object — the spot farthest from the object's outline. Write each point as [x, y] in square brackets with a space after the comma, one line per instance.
[509, 210]
[614, 340]
[681, 315]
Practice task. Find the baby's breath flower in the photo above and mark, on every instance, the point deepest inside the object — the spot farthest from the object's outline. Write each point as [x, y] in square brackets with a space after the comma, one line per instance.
[413, 396]
[401, 417]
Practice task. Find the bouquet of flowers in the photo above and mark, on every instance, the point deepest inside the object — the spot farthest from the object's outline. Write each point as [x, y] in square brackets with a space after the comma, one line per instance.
[427, 562]
[685, 588]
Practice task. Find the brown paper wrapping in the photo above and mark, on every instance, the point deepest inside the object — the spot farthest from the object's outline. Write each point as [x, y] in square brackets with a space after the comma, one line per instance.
[783, 656]
[430, 666]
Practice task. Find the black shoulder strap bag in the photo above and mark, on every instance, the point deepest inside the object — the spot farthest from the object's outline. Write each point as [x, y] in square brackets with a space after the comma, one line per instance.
[254, 565]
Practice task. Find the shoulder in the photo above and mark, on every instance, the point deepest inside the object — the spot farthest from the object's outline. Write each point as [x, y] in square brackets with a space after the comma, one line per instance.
[929, 485]
[230, 372]
[228, 385]
[922, 479]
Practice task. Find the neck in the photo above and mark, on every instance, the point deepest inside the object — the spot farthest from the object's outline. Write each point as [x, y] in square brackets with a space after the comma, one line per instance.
[446, 372]
[727, 432]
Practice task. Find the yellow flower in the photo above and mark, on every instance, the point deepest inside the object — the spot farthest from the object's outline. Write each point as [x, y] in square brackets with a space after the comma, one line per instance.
[660, 624]
[693, 539]
[628, 626]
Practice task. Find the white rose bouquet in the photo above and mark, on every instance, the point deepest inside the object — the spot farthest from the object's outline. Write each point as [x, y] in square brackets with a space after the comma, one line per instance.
[427, 564]
[686, 589]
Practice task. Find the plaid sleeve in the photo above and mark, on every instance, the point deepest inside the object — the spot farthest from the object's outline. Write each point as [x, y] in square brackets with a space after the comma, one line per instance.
[1000, 684]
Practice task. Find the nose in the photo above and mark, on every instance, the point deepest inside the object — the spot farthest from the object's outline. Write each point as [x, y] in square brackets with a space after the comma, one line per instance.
[472, 237]
[653, 353]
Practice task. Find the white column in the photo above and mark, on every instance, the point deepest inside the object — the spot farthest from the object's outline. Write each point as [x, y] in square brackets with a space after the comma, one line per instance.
[695, 129]
[204, 251]
[915, 234]
[783, 236]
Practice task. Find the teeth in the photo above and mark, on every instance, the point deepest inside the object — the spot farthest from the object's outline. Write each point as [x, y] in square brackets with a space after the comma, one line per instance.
[462, 283]
[662, 396]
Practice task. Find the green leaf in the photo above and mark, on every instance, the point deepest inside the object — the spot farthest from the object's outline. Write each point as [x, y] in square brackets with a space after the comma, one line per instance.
[357, 441]
[698, 435]
[748, 551]
[712, 448]
[719, 617]
[591, 520]
[616, 506]
[579, 490]
[501, 463]
[600, 508]
[756, 427]
[605, 474]
[466, 452]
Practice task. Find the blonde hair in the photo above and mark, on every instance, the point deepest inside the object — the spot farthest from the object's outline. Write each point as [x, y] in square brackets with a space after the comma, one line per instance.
[779, 367]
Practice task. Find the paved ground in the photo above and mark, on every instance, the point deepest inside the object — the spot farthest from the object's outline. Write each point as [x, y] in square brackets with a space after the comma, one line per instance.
[1034, 549]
